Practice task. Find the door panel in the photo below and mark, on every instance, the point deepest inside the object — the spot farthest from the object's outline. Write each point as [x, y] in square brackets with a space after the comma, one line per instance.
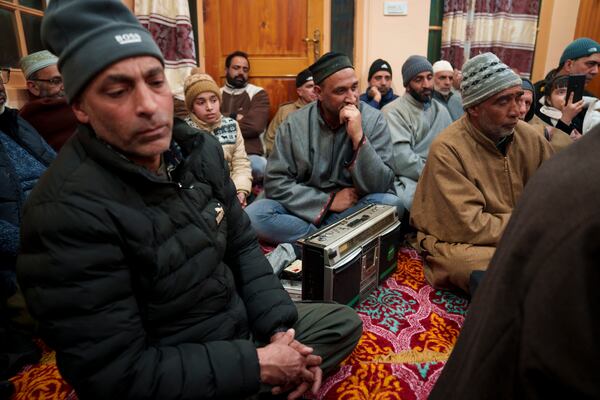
[274, 33]
[278, 88]
[264, 28]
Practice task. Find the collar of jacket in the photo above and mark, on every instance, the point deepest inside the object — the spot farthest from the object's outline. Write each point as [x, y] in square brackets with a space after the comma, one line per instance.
[388, 96]
[112, 158]
[442, 97]
[203, 126]
[482, 139]
[416, 103]
[299, 104]
[551, 112]
[233, 90]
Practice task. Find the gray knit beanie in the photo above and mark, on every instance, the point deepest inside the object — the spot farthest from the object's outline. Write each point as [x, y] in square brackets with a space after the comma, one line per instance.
[413, 66]
[88, 36]
[484, 76]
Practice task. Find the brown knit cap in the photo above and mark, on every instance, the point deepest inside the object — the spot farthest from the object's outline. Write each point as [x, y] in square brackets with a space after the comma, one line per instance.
[197, 83]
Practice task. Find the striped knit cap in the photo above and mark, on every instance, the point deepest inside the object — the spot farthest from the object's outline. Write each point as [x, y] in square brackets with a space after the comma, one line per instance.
[484, 76]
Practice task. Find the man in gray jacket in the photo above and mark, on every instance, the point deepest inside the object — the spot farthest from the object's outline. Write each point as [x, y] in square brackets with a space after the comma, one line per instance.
[330, 159]
[415, 119]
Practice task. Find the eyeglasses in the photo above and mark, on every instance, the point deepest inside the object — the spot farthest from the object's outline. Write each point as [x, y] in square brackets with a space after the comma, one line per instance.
[4, 75]
[53, 81]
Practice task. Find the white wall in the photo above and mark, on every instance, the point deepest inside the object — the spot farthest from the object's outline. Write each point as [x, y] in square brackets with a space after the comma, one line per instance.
[564, 19]
[392, 38]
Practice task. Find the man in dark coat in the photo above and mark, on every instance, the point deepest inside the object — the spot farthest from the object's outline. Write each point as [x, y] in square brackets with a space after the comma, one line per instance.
[24, 156]
[139, 264]
[532, 329]
[380, 91]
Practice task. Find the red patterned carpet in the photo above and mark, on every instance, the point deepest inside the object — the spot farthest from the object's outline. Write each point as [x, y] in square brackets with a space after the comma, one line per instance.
[409, 331]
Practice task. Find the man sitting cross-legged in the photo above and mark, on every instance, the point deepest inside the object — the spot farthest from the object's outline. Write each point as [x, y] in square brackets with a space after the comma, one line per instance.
[475, 173]
[140, 264]
[330, 158]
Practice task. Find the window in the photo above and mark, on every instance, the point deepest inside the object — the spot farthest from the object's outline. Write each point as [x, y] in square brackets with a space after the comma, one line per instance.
[342, 27]
[434, 45]
[20, 26]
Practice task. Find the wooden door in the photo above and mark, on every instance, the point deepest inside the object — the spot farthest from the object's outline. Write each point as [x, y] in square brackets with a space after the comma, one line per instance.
[588, 25]
[278, 36]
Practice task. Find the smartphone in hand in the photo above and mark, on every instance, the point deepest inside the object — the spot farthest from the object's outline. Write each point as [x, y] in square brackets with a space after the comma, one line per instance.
[575, 85]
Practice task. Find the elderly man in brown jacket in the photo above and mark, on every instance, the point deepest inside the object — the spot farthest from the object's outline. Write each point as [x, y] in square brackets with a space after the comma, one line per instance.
[475, 173]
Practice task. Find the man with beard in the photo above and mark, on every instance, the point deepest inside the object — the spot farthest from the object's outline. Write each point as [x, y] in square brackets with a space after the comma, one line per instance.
[139, 264]
[47, 109]
[331, 158]
[24, 157]
[475, 174]
[305, 87]
[414, 120]
[380, 92]
[443, 77]
[580, 57]
[249, 105]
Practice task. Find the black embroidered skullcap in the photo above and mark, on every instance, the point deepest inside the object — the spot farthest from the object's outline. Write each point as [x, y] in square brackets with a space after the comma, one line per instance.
[303, 77]
[329, 64]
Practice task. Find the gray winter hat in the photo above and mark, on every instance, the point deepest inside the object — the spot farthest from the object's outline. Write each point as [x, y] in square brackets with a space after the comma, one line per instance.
[483, 76]
[88, 36]
[413, 66]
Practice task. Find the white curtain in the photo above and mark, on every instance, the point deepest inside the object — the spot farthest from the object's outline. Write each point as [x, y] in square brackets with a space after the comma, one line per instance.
[169, 23]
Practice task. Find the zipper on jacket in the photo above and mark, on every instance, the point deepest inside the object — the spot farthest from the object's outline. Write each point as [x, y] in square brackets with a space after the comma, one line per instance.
[195, 210]
[331, 156]
[510, 184]
[180, 186]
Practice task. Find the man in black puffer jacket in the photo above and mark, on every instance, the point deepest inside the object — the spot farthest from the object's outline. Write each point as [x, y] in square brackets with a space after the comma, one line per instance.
[139, 264]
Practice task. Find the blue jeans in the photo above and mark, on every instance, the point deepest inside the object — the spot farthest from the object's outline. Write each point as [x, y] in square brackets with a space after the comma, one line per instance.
[273, 223]
[258, 165]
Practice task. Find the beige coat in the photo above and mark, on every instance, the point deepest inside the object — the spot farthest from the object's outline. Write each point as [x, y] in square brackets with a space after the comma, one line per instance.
[466, 195]
[559, 140]
[284, 110]
[228, 132]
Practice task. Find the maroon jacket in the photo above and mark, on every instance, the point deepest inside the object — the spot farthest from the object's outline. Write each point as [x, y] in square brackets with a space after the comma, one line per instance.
[53, 118]
[253, 103]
